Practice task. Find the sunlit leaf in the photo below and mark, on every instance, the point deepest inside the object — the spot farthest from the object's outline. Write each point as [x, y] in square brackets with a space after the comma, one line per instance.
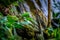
[26, 14]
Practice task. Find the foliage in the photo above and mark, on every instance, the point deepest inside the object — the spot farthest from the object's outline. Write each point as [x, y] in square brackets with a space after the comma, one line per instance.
[58, 34]
[9, 22]
[52, 32]
[24, 21]
[56, 31]
[49, 32]
[7, 2]
[55, 15]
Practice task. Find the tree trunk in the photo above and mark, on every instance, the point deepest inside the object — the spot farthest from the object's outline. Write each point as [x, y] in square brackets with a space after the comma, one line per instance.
[49, 14]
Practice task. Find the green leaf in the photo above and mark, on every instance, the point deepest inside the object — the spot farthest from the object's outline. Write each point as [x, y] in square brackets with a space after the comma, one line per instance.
[18, 25]
[26, 14]
[15, 3]
[8, 24]
[55, 15]
[29, 19]
[12, 18]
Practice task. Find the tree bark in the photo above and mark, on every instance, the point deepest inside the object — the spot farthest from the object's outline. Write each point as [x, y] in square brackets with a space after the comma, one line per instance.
[49, 14]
